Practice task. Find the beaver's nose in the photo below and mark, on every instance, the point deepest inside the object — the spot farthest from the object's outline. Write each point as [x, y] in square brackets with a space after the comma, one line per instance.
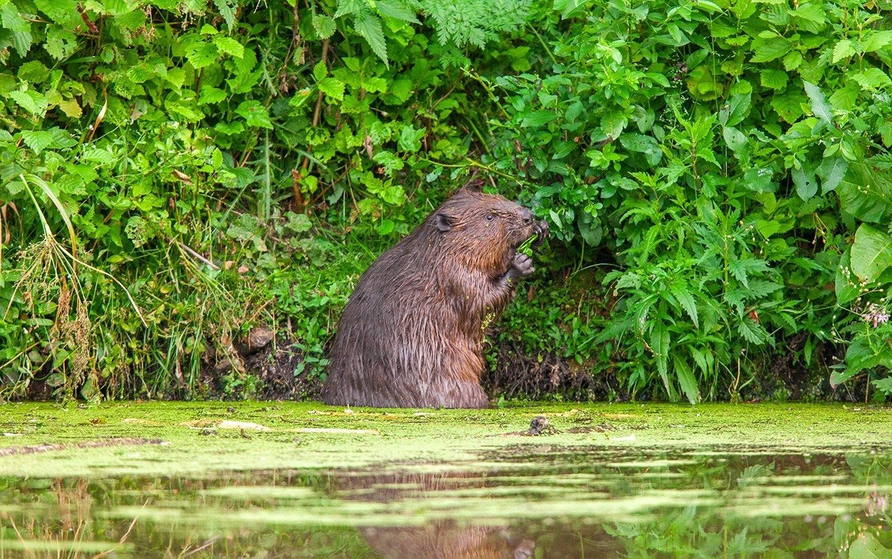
[526, 215]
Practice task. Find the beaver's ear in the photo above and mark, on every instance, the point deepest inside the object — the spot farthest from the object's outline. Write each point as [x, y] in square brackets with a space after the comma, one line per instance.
[443, 222]
[475, 183]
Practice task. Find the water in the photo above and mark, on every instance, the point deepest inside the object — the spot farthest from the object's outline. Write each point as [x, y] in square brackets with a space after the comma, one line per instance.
[531, 501]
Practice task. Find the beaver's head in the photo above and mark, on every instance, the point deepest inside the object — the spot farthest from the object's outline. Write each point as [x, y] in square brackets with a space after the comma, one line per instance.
[485, 228]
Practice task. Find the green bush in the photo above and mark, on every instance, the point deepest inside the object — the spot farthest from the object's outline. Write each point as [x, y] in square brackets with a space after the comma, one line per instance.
[734, 157]
[176, 173]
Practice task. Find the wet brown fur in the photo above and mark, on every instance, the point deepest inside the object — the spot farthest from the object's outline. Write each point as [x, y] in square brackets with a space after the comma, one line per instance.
[412, 332]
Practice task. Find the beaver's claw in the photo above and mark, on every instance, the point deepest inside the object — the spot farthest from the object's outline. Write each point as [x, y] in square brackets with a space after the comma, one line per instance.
[522, 265]
[541, 231]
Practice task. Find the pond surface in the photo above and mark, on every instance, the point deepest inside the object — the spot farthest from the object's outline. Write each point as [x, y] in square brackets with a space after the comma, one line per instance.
[510, 496]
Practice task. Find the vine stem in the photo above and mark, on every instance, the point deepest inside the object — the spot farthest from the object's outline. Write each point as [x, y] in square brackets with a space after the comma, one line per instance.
[298, 176]
[542, 42]
[469, 162]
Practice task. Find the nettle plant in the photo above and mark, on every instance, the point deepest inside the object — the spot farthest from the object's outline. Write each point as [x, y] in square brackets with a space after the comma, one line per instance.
[734, 157]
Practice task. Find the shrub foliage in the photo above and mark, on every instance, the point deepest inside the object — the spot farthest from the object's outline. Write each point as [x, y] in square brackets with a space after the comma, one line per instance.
[717, 175]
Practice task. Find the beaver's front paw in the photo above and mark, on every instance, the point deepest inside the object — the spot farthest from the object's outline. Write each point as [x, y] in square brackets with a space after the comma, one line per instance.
[522, 265]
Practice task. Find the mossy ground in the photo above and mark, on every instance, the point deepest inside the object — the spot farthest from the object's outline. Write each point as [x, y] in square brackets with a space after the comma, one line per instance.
[214, 436]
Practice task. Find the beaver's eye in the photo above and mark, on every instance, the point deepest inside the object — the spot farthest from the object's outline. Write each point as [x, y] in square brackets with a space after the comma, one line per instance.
[490, 217]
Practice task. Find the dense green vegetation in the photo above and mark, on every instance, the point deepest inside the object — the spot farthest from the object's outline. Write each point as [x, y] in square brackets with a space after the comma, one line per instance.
[717, 175]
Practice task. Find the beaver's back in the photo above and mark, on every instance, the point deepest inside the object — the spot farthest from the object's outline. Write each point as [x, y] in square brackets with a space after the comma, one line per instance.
[395, 335]
[411, 334]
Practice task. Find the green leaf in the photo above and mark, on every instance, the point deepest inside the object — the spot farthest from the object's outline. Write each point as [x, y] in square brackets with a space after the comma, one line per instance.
[735, 110]
[811, 11]
[752, 331]
[60, 43]
[323, 25]
[844, 99]
[537, 118]
[374, 84]
[832, 170]
[686, 380]
[114, 7]
[845, 288]
[759, 179]
[185, 110]
[401, 89]
[792, 60]
[734, 138]
[859, 356]
[11, 19]
[368, 25]
[71, 108]
[843, 49]
[201, 54]
[389, 161]
[613, 123]
[320, 70]
[63, 12]
[641, 143]
[867, 546]
[819, 106]
[741, 269]
[788, 106]
[659, 343]
[766, 50]
[871, 253]
[211, 95]
[569, 8]
[229, 128]
[759, 289]
[331, 87]
[410, 138]
[31, 101]
[347, 7]
[872, 78]
[229, 46]
[226, 10]
[33, 72]
[806, 184]
[773, 79]
[885, 130]
[885, 386]
[396, 9]
[99, 155]
[39, 140]
[679, 290]
[876, 40]
[854, 202]
[254, 114]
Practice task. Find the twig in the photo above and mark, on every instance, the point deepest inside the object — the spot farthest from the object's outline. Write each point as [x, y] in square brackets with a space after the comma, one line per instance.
[123, 538]
[296, 43]
[203, 546]
[298, 176]
[317, 113]
[197, 256]
[296, 39]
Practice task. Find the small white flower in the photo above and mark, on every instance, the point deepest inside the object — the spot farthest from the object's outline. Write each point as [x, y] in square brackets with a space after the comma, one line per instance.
[875, 315]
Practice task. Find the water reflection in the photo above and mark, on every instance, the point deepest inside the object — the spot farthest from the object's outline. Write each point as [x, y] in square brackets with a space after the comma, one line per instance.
[551, 502]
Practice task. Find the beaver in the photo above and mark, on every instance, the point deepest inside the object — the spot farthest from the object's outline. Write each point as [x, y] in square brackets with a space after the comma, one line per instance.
[412, 332]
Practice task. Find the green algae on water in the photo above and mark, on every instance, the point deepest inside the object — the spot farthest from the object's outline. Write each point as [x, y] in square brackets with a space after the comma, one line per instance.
[205, 437]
